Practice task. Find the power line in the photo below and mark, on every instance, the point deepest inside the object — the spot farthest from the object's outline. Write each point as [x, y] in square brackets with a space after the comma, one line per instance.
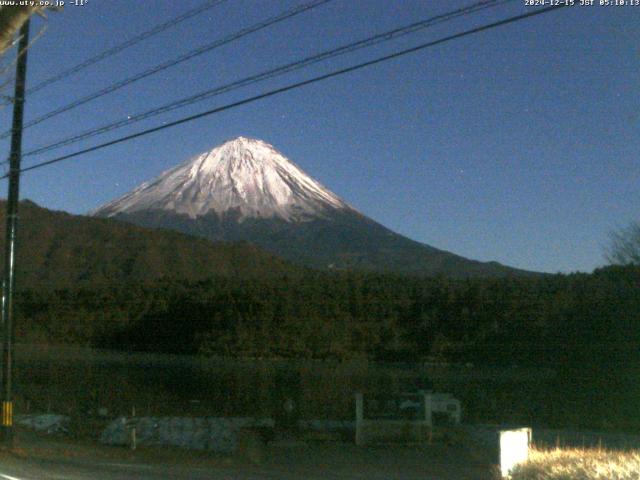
[182, 58]
[287, 68]
[294, 86]
[124, 45]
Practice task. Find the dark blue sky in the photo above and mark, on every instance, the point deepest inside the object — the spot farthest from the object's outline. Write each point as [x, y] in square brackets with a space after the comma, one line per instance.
[520, 144]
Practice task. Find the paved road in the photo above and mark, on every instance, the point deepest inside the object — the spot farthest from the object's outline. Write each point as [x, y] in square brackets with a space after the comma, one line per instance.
[330, 462]
[76, 470]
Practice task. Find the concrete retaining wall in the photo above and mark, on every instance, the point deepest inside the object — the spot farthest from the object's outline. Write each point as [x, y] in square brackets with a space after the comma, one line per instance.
[208, 433]
[44, 422]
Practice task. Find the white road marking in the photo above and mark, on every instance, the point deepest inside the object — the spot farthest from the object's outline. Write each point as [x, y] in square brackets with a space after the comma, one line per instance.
[8, 477]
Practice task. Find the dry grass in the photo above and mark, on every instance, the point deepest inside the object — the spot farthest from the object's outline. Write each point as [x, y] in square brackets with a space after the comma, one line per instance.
[579, 464]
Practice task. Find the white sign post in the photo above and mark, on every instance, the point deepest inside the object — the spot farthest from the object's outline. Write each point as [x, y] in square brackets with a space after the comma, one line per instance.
[514, 448]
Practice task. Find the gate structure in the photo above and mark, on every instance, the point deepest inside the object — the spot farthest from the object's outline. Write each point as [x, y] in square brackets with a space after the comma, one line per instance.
[391, 418]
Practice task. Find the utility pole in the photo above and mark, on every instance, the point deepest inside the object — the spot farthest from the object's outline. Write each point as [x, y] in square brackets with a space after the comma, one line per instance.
[6, 437]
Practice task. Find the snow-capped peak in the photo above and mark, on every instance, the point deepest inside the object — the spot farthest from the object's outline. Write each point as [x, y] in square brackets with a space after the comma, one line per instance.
[245, 175]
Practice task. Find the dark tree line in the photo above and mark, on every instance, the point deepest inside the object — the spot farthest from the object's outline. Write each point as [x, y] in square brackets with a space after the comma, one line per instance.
[584, 327]
[550, 320]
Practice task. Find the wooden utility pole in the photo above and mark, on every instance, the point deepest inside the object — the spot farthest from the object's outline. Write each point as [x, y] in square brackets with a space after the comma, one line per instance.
[6, 438]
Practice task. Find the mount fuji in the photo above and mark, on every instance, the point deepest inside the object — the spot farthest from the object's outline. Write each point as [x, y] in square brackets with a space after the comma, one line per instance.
[245, 190]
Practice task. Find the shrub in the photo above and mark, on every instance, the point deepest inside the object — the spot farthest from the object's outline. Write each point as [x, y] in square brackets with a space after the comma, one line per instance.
[579, 464]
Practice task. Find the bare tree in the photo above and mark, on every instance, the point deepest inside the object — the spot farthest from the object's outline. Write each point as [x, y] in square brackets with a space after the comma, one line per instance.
[11, 19]
[624, 247]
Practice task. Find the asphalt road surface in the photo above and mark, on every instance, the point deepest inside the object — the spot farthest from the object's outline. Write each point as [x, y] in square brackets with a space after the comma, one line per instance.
[322, 460]
[315, 463]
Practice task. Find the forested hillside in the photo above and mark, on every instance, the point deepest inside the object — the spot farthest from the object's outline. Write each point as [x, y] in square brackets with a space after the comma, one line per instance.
[584, 328]
[59, 250]
[581, 318]
[100, 283]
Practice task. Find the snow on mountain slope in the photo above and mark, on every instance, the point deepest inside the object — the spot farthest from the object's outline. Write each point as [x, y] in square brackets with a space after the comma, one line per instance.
[245, 190]
[245, 175]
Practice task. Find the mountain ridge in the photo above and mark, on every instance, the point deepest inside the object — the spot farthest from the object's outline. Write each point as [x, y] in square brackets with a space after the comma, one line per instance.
[246, 190]
[59, 250]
